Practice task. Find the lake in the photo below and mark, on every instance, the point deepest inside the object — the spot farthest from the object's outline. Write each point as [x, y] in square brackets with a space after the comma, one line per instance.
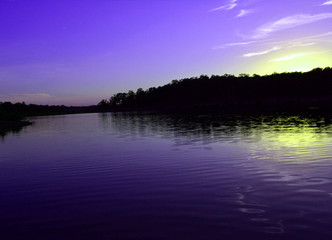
[162, 176]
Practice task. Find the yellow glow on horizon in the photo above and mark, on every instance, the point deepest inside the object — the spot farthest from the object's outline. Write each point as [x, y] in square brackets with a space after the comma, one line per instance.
[302, 62]
[297, 61]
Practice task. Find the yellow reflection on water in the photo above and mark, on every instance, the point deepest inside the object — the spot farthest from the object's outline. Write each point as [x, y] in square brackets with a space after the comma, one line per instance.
[294, 140]
[295, 136]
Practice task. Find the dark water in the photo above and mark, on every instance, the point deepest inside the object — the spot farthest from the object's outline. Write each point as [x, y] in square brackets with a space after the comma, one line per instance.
[140, 176]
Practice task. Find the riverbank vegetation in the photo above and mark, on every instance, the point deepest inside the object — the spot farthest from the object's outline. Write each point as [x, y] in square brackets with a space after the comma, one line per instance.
[294, 90]
[291, 91]
[12, 114]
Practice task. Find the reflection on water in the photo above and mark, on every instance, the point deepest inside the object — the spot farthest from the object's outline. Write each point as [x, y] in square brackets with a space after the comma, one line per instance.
[274, 144]
[10, 130]
[285, 131]
[150, 176]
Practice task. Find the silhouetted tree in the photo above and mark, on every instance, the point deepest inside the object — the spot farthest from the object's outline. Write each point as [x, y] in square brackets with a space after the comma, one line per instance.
[103, 103]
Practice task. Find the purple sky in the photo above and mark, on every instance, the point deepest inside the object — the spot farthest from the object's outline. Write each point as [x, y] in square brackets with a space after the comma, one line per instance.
[77, 52]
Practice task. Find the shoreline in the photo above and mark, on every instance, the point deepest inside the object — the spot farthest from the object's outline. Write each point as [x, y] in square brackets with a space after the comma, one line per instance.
[9, 125]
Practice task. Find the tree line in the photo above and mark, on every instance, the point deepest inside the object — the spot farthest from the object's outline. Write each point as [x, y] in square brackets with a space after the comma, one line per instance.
[289, 88]
[17, 111]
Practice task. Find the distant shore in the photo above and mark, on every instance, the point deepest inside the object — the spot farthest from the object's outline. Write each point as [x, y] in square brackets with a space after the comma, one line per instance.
[12, 115]
[291, 92]
[295, 92]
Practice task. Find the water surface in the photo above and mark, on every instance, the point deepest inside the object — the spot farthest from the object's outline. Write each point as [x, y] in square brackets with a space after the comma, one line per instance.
[148, 176]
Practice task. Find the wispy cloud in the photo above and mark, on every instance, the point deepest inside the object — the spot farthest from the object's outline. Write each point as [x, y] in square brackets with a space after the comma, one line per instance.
[282, 45]
[290, 57]
[243, 12]
[229, 6]
[322, 35]
[304, 41]
[233, 44]
[289, 22]
[300, 42]
[29, 95]
[44, 95]
[262, 53]
[327, 3]
[24, 97]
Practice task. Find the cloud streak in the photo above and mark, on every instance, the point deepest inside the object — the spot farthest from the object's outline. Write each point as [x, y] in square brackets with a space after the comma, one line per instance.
[300, 42]
[243, 12]
[262, 53]
[289, 22]
[229, 6]
[24, 97]
[290, 57]
[44, 95]
[327, 3]
[283, 45]
[234, 44]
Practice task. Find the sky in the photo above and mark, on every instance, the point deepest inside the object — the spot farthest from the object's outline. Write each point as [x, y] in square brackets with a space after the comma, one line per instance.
[77, 52]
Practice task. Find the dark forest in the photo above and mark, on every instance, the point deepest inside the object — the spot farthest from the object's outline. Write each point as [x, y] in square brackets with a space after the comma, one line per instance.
[291, 90]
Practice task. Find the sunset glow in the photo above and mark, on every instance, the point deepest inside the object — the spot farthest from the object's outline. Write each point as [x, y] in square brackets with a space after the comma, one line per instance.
[76, 53]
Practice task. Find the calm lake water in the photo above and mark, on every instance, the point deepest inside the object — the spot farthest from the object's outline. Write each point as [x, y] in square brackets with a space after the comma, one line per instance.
[143, 176]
